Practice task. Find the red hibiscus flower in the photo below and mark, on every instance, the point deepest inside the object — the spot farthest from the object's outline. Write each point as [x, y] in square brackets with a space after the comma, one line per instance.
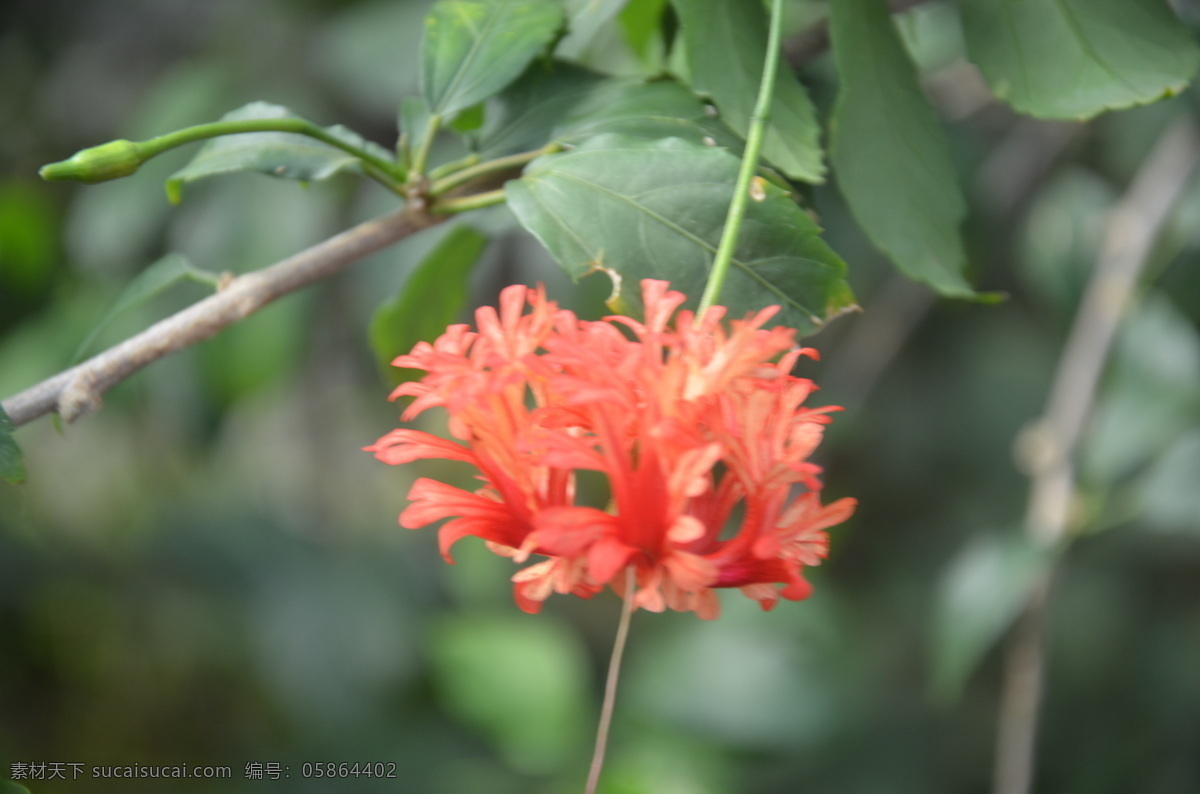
[687, 421]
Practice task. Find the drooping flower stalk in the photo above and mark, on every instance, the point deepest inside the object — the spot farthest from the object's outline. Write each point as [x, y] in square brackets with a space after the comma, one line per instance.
[610, 686]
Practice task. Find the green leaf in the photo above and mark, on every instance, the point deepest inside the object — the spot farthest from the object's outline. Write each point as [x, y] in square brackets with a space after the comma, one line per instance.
[149, 284]
[414, 125]
[568, 104]
[654, 209]
[1167, 495]
[29, 235]
[256, 352]
[525, 115]
[725, 44]
[1151, 395]
[646, 110]
[1072, 59]
[474, 48]
[12, 468]
[585, 18]
[281, 154]
[468, 120]
[432, 298]
[521, 682]
[889, 152]
[981, 594]
[641, 22]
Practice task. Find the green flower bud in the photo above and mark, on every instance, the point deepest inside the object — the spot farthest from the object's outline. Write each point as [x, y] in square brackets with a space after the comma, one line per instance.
[112, 160]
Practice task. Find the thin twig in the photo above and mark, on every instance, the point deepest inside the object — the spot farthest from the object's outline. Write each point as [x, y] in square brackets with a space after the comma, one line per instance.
[610, 687]
[1021, 696]
[1132, 229]
[78, 391]
[1049, 447]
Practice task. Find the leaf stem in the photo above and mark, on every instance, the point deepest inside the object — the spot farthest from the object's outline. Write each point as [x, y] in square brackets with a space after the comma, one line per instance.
[610, 686]
[421, 156]
[741, 190]
[461, 177]
[456, 165]
[472, 202]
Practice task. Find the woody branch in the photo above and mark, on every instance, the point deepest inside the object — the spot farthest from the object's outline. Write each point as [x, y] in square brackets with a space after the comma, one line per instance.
[78, 391]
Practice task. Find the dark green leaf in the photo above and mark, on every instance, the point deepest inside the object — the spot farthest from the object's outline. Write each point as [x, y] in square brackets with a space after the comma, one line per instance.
[256, 352]
[641, 22]
[646, 110]
[473, 48]
[569, 105]
[432, 297]
[726, 44]
[1072, 59]
[654, 209]
[150, 283]
[282, 154]
[981, 594]
[468, 120]
[524, 116]
[12, 468]
[889, 152]
[521, 682]
[29, 235]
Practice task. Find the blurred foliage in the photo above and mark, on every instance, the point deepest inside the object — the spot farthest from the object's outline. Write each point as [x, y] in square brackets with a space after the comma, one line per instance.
[209, 571]
[433, 297]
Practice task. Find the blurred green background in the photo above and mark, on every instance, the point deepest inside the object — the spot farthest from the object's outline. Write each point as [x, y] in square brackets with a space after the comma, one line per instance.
[209, 571]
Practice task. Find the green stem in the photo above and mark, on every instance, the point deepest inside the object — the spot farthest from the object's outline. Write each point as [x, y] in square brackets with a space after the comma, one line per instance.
[387, 172]
[741, 190]
[472, 202]
[465, 175]
[299, 126]
[421, 158]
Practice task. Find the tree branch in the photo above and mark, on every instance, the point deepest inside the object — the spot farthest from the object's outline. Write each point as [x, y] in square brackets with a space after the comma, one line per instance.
[1048, 448]
[1132, 229]
[78, 391]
